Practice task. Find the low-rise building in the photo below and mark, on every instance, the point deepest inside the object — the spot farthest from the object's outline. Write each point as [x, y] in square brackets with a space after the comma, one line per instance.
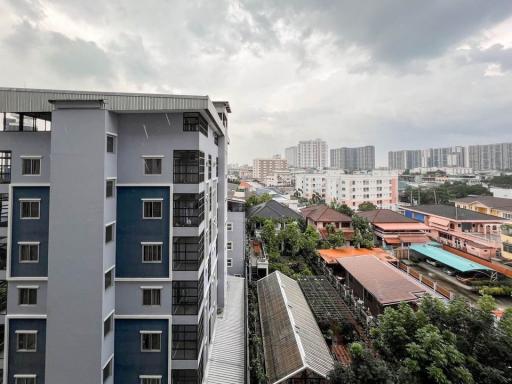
[236, 242]
[489, 205]
[472, 232]
[392, 229]
[322, 216]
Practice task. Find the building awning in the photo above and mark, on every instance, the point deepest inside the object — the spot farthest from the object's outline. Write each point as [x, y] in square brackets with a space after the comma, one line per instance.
[438, 222]
[447, 258]
[392, 240]
[401, 226]
[419, 239]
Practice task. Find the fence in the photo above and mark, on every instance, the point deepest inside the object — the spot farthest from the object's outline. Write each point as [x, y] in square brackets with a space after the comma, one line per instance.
[426, 280]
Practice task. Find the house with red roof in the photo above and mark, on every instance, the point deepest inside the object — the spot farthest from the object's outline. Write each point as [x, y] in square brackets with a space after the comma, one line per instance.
[321, 216]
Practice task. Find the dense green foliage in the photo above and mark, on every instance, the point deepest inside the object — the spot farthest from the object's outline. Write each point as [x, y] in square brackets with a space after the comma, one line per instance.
[503, 181]
[442, 194]
[366, 206]
[256, 359]
[503, 290]
[342, 208]
[255, 200]
[363, 233]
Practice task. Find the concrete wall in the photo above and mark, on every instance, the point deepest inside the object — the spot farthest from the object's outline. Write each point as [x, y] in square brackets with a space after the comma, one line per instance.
[237, 237]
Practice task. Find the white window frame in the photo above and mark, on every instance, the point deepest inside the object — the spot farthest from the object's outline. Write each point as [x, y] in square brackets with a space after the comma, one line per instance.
[142, 333]
[20, 246]
[150, 378]
[20, 287]
[114, 138]
[229, 226]
[153, 289]
[24, 377]
[30, 157]
[153, 200]
[113, 181]
[26, 332]
[229, 245]
[152, 157]
[149, 243]
[30, 200]
[229, 262]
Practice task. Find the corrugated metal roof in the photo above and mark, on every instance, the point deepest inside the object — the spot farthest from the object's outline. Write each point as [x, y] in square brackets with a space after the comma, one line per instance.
[456, 262]
[292, 340]
[227, 364]
[37, 100]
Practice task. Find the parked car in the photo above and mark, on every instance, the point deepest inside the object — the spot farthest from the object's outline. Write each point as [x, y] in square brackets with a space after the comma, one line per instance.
[449, 271]
[432, 262]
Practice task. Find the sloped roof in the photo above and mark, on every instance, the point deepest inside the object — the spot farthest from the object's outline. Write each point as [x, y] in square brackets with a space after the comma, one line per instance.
[272, 210]
[292, 340]
[385, 216]
[488, 201]
[456, 262]
[324, 213]
[453, 213]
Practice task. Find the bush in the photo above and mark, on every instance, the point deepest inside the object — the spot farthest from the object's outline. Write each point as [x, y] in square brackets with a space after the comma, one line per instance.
[502, 290]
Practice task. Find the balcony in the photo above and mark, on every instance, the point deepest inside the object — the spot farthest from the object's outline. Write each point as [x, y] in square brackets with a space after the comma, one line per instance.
[188, 167]
[5, 167]
[188, 209]
[506, 229]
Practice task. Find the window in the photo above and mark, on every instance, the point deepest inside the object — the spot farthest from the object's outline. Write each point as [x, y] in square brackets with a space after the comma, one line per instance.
[217, 166]
[152, 209]
[229, 226]
[209, 167]
[109, 278]
[109, 233]
[507, 247]
[31, 167]
[195, 122]
[150, 341]
[107, 370]
[30, 209]
[152, 166]
[151, 252]
[188, 209]
[26, 341]
[25, 379]
[29, 252]
[108, 325]
[27, 296]
[153, 379]
[5, 166]
[186, 341]
[188, 253]
[230, 262]
[229, 245]
[187, 376]
[187, 297]
[111, 144]
[188, 167]
[216, 139]
[110, 188]
[151, 296]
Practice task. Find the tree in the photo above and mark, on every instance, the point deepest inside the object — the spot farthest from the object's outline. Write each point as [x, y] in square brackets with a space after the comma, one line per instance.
[291, 239]
[310, 239]
[366, 206]
[342, 208]
[334, 238]
[268, 234]
[363, 234]
[255, 200]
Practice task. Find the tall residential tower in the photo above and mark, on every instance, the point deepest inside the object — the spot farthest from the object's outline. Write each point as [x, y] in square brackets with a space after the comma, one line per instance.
[352, 159]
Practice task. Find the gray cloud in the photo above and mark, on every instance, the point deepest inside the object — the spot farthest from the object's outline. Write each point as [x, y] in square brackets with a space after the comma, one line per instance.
[496, 54]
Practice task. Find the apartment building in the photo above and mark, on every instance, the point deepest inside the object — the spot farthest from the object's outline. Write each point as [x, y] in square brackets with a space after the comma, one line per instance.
[379, 188]
[291, 156]
[312, 154]
[352, 159]
[116, 241]
[405, 159]
[267, 167]
[432, 157]
[490, 156]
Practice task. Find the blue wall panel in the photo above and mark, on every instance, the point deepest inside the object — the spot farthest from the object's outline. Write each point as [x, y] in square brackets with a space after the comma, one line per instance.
[129, 361]
[132, 229]
[26, 362]
[30, 230]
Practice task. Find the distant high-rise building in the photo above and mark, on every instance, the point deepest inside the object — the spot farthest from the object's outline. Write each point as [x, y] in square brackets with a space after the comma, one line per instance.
[490, 156]
[404, 159]
[360, 158]
[312, 154]
[427, 158]
[266, 167]
[290, 154]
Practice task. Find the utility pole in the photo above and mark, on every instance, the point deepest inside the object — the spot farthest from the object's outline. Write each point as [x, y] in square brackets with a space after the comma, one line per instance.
[435, 196]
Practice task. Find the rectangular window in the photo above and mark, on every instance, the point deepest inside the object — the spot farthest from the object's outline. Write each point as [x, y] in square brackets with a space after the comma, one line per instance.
[31, 167]
[152, 166]
[109, 278]
[152, 209]
[209, 167]
[230, 262]
[188, 253]
[27, 296]
[26, 341]
[5, 166]
[186, 341]
[188, 167]
[24, 379]
[111, 144]
[110, 188]
[151, 296]
[29, 252]
[150, 341]
[107, 371]
[109, 233]
[229, 226]
[151, 252]
[216, 139]
[30, 209]
[150, 379]
[108, 324]
[229, 245]
[217, 167]
[188, 209]
[187, 297]
[195, 122]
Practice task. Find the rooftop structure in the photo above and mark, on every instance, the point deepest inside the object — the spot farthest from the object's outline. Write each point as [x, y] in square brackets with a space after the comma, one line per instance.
[453, 212]
[273, 210]
[321, 216]
[449, 259]
[292, 341]
[495, 206]
[331, 256]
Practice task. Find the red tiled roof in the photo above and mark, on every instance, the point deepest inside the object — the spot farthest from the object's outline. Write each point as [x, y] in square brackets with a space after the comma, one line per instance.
[324, 213]
[385, 216]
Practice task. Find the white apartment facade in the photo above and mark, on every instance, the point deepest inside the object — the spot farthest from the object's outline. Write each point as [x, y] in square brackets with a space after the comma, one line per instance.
[312, 154]
[266, 167]
[379, 188]
[291, 156]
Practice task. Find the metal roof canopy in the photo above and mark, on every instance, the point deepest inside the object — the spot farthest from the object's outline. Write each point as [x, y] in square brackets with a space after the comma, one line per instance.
[292, 340]
[454, 261]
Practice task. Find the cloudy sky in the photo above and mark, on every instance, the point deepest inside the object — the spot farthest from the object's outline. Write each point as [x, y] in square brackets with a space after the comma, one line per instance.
[394, 73]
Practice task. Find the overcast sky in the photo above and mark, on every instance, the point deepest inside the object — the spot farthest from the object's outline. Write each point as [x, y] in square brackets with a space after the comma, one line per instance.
[395, 74]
